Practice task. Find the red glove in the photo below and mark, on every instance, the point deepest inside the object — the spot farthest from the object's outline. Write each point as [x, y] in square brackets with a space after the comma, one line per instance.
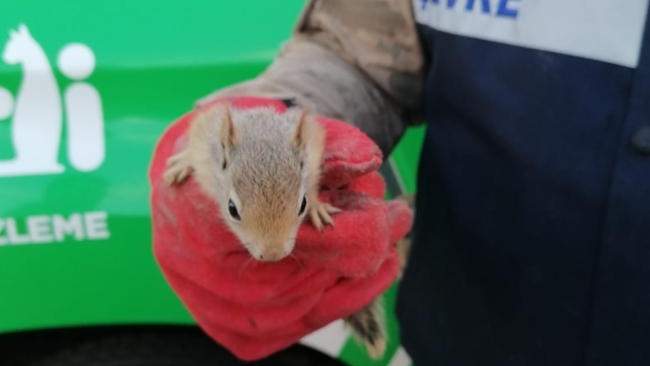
[258, 308]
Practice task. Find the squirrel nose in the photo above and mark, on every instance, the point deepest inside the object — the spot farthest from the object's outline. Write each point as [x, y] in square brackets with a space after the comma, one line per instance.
[272, 255]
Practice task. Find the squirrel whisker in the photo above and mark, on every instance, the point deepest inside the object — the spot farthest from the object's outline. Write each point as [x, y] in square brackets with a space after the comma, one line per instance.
[243, 267]
[296, 258]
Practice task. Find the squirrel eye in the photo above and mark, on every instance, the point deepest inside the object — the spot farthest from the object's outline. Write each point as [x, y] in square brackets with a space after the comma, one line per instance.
[303, 205]
[232, 209]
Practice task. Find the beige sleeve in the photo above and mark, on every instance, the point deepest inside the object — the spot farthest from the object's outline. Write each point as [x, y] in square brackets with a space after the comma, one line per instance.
[357, 61]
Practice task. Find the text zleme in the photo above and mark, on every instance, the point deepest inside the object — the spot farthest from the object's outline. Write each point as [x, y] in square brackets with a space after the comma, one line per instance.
[54, 228]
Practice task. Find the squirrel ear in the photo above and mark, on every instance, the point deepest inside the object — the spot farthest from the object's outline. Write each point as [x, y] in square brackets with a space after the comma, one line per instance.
[299, 137]
[229, 136]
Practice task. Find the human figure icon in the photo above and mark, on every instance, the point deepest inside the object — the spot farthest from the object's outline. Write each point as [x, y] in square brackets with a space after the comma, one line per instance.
[83, 107]
[36, 121]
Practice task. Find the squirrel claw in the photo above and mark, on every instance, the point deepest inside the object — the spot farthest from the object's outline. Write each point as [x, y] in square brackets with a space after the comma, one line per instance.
[322, 213]
[177, 170]
[315, 218]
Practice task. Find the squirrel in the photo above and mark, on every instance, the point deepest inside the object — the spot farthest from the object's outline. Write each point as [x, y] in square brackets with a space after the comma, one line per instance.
[263, 168]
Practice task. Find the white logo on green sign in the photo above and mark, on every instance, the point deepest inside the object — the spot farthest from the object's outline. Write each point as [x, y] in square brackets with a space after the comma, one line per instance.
[36, 124]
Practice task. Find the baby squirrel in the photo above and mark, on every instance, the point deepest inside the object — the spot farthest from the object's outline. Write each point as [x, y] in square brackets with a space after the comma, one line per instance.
[263, 168]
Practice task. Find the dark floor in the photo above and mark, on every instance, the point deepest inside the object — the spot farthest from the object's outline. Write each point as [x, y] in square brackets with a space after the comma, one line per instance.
[141, 346]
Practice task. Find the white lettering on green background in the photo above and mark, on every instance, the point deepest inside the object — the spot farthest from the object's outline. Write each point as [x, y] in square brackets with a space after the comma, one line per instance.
[44, 229]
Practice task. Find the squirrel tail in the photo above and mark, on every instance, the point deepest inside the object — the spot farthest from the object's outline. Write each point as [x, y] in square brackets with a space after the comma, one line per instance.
[368, 326]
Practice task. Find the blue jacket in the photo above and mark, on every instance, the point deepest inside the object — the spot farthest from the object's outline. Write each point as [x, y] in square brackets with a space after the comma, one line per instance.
[532, 237]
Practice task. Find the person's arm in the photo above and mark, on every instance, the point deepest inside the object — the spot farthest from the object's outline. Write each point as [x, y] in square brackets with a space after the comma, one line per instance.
[357, 61]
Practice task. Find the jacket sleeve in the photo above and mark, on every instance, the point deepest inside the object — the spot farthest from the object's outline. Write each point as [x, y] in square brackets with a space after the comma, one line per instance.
[357, 61]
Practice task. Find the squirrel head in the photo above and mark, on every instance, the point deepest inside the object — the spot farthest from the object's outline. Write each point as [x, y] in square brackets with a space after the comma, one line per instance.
[254, 164]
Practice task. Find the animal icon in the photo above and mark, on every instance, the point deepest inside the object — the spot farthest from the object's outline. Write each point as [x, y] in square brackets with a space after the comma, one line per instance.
[37, 121]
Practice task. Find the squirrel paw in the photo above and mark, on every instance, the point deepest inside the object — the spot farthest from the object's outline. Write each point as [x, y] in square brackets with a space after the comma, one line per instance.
[178, 169]
[321, 212]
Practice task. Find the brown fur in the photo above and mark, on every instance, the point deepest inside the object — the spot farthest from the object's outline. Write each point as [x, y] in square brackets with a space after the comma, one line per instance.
[264, 162]
[368, 326]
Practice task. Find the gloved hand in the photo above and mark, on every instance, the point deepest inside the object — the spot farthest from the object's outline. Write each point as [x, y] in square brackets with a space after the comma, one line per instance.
[257, 308]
